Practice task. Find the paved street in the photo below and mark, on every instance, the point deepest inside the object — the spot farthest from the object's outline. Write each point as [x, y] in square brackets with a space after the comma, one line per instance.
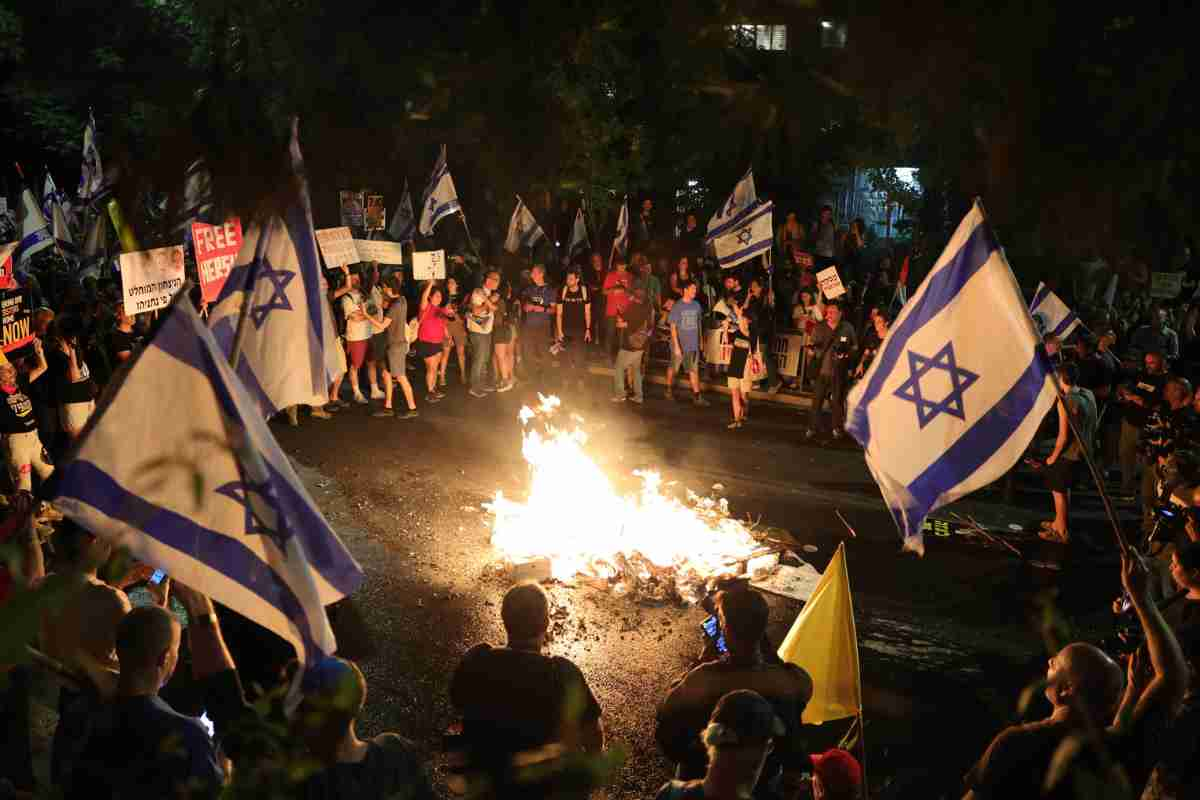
[946, 641]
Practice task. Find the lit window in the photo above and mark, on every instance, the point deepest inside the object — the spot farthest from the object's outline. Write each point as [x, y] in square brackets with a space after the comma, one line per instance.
[759, 37]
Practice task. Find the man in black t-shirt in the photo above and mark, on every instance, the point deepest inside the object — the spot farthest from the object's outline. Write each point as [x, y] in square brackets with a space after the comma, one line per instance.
[515, 700]
[122, 341]
[573, 324]
[73, 384]
[1138, 398]
[18, 423]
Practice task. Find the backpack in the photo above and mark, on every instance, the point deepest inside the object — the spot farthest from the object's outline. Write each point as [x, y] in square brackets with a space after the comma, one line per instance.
[411, 328]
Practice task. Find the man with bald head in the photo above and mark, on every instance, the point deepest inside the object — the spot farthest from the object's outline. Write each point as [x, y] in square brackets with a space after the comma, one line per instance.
[1089, 697]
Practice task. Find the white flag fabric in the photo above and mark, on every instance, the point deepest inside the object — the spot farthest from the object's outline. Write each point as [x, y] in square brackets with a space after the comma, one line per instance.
[959, 386]
[440, 199]
[523, 230]
[1051, 315]
[33, 231]
[1110, 294]
[404, 224]
[91, 171]
[753, 236]
[740, 201]
[277, 271]
[197, 198]
[579, 234]
[621, 239]
[178, 466]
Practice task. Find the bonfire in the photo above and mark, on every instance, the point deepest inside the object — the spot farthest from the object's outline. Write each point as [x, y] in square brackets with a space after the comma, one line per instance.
[647, 541]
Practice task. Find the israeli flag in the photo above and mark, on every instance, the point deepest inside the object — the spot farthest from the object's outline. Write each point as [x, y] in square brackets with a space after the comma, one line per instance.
[579, 234]
[403, 226]
[523, 229]
[1051, 315]
[740, 203]
[34, 232]
[91, 171]
[178, 466]
[440, 199]
[52, 207]
[959, 386]
[621, 239]
[752, 237]
[95, 245]
[53, 196]
[277, 272]
[197, 198]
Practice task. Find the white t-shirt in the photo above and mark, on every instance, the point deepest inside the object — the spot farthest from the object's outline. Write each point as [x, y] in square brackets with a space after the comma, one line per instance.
[481, 323]
[352, 301]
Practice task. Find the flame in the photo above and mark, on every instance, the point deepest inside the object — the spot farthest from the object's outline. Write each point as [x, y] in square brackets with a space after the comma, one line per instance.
[577, 519]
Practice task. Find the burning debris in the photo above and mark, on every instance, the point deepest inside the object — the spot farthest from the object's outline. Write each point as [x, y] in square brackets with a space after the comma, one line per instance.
[576, 525]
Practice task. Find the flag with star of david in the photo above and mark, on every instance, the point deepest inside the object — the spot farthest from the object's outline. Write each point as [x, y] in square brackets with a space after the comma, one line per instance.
[959, 386]
[731, 213]
[178, 465]
[1051, 314]
[523, 230]
[751, 237]
[440, 199]
[277, 271]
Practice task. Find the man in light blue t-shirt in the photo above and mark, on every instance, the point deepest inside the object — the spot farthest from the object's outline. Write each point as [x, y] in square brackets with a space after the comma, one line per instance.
[685, 319]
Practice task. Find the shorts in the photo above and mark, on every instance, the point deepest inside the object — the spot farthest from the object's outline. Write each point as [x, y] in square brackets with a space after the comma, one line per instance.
[357, 351]
[744, 384]
[687, 362]
[379, 347]
[397, 359]
[1061, 475]
[505, 334]
[457, 331]
[73, 416]
[426, 349]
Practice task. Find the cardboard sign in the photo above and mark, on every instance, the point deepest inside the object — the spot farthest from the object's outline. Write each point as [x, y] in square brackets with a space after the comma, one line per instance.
[429, 266]
[376, 215]
[337, 246]
[1166, 284]
[216, 249]
[150, 278]
[16, 320]
[830, 283]
[6, 265]
[802, 259]
[351, 204]
[383, 252]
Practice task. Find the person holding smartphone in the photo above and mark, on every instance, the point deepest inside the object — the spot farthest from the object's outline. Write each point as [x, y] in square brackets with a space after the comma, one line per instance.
[74, 387]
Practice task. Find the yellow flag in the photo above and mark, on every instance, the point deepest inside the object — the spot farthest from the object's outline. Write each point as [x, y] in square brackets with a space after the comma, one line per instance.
[823, 641]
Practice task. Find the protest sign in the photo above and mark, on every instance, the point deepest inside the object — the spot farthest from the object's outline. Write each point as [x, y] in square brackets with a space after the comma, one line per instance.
[383, 252]
[15, 320]
[803, 260]
[351, 204]
[376, 215]
[830, 283]
[216, 249]
[337, 246]
[6, 265]
[429, 266]
[150, 278]
[1166, 284]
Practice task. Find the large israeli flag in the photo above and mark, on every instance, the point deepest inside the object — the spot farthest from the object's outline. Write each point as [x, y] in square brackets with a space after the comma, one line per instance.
[750, 239]
[196, 205]
[440, 199]
[33, 230]
[178, 465]
[579, 234]
[91, 171]
[523, 230]
[740, 202]
[959, 386]
[404, 224]
[56, 213]
[621, 239]
[277, 272]
[1051, 315]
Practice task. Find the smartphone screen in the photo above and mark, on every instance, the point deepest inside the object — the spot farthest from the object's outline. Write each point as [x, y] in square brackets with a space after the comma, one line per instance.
[712, 629]
[157, 577]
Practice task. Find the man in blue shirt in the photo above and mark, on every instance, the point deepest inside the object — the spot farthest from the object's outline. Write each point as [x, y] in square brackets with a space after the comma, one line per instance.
[539, 303]
[685, 342]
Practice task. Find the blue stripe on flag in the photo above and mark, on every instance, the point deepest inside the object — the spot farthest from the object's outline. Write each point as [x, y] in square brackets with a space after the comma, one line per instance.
[299, 228]
[1042, 291]
[444, 210]
[940, 289]
[31, 241]
[1067, 321]
[977, 444]
[765, 244]
[231, 558]
[729, 225]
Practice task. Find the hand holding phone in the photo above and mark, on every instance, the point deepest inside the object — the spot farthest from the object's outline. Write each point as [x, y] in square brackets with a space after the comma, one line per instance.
[712, 630]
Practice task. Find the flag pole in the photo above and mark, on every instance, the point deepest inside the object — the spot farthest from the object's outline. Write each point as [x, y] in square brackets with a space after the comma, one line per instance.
[470, 239]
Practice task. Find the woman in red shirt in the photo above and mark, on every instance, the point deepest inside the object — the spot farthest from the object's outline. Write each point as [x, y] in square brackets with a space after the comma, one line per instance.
[431, 332]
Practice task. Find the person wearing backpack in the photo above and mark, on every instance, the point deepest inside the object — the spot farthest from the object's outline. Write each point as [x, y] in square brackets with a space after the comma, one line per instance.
[573, 322]
[633, 325]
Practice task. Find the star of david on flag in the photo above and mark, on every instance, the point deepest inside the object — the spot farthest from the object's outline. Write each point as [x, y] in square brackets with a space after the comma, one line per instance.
[178, 465]
[441, 198]
[732, 212]
[1051, 314]
[959, 386]
[752, 236]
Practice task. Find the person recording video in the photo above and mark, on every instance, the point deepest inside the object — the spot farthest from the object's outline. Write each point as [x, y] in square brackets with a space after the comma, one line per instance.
[831, 348]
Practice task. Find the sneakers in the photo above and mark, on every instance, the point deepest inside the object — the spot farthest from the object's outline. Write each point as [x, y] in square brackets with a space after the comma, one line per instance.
[320, 413]
[409, 414]
[698, 400]
[774, 388]
[337, 405]
[442, 382]
[810, 435]
[507, 386]
[433, 398]
[477, 393]
[618, 398]
[636, 400]
[733, 426]
[383, 412]
[440, 394]
[358, 398]
[377, 393]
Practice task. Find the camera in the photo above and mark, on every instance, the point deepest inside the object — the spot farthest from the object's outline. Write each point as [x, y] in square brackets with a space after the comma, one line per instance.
[842, 348]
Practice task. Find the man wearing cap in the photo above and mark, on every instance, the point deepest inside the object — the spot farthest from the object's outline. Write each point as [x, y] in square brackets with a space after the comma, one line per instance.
[750, 663]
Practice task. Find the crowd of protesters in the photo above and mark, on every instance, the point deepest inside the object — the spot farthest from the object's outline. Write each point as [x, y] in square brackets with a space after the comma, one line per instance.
[139, 689]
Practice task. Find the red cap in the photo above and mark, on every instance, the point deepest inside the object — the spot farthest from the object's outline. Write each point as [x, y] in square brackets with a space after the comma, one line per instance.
[839, 772]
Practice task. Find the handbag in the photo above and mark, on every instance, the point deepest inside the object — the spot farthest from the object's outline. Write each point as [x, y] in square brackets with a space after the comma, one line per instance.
[411, 328]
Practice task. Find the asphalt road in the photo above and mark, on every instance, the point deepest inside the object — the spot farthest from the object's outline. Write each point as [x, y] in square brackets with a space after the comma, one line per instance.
[946, 641]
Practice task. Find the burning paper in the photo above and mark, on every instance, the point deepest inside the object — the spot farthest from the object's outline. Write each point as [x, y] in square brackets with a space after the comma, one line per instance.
[647, 539]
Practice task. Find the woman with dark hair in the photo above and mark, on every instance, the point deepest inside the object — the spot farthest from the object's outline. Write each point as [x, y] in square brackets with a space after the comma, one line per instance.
[680, 277]
[456, 334]
[396, 369]
[73, 384]
[431, 333]
[504, 338]
[378, 343]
